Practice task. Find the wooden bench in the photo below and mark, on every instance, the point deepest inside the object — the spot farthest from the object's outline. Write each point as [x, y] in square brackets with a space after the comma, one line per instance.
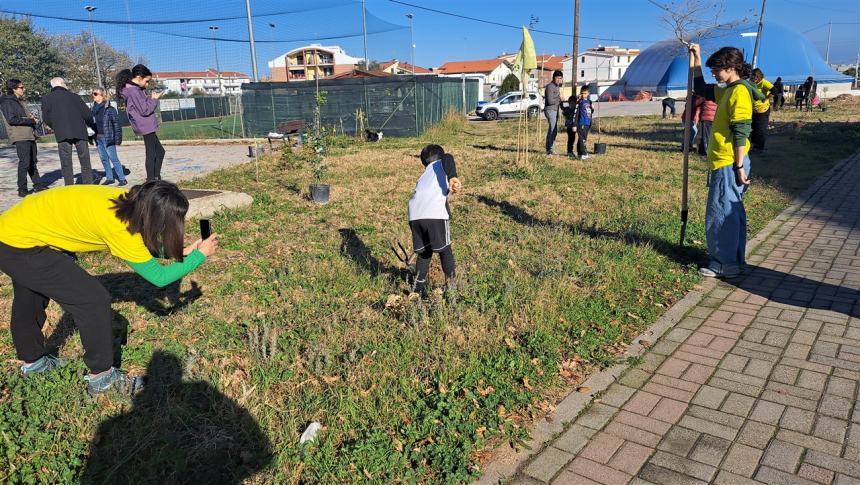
[287, 130]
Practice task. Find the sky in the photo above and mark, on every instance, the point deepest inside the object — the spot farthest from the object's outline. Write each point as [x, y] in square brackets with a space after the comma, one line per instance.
[281, 25]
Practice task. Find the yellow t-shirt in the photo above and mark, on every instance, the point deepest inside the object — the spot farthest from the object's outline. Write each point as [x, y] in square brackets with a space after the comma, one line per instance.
[762, 106]
[77, 218]
[734, 104]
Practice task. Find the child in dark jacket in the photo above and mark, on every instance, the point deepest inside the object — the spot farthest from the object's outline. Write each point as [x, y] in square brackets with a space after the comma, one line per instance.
[108, 137]
[569, 113]
[429, 213]
[583, 114]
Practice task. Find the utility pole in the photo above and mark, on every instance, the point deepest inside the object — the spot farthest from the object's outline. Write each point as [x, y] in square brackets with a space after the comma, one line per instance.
[829, 31]
[213, 28]
[574, 65]
[90, 9]
[251, 40]
[364, 29]
[856, 73]
[130, 30]
[758, 35]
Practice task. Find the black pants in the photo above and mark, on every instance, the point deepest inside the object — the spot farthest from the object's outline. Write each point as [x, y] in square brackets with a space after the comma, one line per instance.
[706, 136]
[64, 148]
[582, 139]
[154, 156]
[778, 102]
[758, 136]
[423, 267]
[27, 165]
[670, 104]
[571, 138]
[42, 274]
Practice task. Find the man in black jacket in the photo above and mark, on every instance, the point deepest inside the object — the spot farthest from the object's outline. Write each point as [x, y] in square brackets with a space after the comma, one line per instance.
[20, 128]
[69, 116]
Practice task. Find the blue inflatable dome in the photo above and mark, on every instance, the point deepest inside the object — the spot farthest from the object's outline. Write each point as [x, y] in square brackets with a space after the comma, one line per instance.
[783, 53]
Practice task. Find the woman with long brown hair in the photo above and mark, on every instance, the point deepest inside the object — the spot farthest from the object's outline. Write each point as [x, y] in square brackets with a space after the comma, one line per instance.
[38, 239]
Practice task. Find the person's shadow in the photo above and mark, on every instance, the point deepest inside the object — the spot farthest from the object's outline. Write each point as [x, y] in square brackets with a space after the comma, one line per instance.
[177, 432]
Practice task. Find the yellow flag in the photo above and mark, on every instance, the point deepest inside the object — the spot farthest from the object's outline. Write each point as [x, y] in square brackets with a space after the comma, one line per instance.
[526, 60]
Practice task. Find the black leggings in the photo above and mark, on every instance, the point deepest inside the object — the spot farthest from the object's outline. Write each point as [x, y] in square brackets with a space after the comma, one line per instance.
[154, 156]
[423, 266]
[41, 274]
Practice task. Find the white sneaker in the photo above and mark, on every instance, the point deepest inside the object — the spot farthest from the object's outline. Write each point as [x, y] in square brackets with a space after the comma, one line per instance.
[584, 157]
[709, 273]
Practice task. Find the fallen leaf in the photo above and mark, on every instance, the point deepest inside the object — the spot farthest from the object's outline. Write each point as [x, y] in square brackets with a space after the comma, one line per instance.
[330, 379]
[502, 411]
[583, 390]
[443, 388]
[645, 343]
[485, 391]
[633, 316]
[526, 383]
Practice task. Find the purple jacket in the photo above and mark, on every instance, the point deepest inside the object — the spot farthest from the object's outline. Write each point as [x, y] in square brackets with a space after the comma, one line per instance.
[140, 109]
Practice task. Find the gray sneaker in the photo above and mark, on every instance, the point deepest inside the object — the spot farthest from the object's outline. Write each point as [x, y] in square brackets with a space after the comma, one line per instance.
[113, 379]
[44, 363]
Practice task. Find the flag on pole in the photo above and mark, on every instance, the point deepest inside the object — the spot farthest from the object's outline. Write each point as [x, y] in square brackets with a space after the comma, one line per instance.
[526, 60]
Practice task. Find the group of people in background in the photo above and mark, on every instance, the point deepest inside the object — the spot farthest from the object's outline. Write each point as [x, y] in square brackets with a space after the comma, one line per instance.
[75, 126]
[577, 113]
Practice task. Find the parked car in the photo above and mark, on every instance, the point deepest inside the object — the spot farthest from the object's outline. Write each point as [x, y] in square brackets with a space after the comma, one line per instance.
[509, 105]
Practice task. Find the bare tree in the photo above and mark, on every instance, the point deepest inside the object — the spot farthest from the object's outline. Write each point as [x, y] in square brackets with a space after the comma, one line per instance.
[80, 65]
[689, 18]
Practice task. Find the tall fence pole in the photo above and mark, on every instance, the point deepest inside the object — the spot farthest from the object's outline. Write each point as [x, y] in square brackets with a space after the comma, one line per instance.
[251, 40]
[758, 35]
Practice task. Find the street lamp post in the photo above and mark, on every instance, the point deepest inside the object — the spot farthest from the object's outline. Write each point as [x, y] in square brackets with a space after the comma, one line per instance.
[213, 28]
[90, 9]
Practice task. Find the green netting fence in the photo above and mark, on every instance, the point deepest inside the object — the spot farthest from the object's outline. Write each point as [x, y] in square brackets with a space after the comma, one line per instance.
[396, 105]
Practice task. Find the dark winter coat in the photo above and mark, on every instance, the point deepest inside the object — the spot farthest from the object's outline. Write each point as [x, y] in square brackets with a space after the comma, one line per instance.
[67, 114]
[107, 124]
[19, 125]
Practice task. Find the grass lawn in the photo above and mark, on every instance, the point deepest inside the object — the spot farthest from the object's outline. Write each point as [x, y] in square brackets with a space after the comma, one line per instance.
[301, 317]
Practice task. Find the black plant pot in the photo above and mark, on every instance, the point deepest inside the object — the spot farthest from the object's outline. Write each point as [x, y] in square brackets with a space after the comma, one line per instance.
[319, 193]
[599, 148]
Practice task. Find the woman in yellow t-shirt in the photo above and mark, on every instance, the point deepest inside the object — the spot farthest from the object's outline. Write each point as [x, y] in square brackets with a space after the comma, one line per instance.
[38, 239]
[725, 216]
[761, 111]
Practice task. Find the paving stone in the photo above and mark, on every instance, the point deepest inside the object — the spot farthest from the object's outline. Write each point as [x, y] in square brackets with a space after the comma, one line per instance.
[816, 474]
[634, 378]
[596, 416]
[567, 477]
[831, 429]
[758, 368]
[574, 439]
[835, 463]
[756, 434]
[710, 397]
[546, 464]
[678, 334]
[797, 420]
[597, 472]
[715, 416]
[782, 456]
[742, 460]
[616, 395]
[734, 362]
[807, 441]
[665, 347]
[710, 450]
[644, 423]
[668, 410]
[630, 457]
[525, 480]
[679, 441]
[738, 404]
[642, 403]
[728, 478]
[785, 374]
[835, 406]
[776, 339]
[657, 474]
[773, 476]
[630, 433]
[684, 466]
[812, 380]
[651, 362]
[782, 397]
[705, 426]
[601, 447]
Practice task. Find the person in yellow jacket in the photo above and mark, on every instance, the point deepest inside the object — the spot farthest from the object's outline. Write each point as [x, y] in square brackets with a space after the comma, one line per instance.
[38, 239]
[761, 111]
[728, 145]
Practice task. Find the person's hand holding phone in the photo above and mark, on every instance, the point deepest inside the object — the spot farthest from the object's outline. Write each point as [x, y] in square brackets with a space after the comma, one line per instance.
[157, 94]
[209, 245]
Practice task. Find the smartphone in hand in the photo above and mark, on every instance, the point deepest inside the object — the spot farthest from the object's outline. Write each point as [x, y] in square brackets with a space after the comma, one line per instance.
[205, 229]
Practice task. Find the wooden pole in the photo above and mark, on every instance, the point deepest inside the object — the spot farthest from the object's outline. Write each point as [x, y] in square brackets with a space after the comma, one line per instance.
[688, 116]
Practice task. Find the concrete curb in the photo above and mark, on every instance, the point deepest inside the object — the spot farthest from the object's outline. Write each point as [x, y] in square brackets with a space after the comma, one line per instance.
[508, 461]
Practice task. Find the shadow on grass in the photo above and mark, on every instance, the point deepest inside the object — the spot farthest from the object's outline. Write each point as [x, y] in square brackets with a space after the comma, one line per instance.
[684, 255]
[353, 247]
[177, 432]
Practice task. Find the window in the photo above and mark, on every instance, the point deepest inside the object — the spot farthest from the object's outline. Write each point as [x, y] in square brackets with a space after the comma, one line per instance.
[514, 98]
[581, 73]
[583, 58]
[619, 60]
[628, 59]
[619, 73]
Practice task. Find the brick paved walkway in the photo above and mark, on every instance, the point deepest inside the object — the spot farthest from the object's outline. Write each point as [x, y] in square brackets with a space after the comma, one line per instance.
[182, 162]
[757, 383]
